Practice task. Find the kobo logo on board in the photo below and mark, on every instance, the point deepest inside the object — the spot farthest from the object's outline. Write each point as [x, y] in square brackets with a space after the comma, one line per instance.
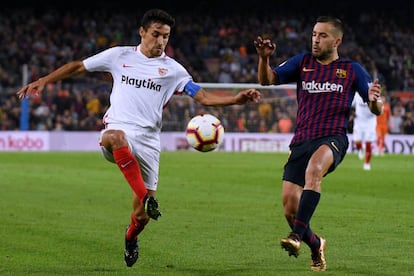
[19, 142]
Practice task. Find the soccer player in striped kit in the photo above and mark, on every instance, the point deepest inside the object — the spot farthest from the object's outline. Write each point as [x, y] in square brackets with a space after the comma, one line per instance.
[326, 85]
[144, 80]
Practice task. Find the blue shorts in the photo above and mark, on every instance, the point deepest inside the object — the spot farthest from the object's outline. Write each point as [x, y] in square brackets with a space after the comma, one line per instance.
[295, 167]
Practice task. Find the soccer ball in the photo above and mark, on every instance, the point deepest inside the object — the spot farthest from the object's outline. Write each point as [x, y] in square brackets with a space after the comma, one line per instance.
[204, 132]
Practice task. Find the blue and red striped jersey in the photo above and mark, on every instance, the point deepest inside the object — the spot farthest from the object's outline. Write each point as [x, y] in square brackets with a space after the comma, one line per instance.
[324, 93]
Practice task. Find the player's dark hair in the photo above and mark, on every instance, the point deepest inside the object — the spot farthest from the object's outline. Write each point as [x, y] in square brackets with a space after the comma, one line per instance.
[336, 22]
[157, 15]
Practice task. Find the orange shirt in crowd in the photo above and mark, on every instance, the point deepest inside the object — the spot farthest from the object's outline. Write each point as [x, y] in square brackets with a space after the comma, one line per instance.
[285, 125]
[382, 120]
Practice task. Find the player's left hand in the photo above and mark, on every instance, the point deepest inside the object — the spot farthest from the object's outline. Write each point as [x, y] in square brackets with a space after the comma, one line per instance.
[375, 102]
[248, 95]
[374, 92]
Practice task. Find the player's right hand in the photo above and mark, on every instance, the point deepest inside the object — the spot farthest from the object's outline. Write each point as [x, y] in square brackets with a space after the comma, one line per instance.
[33, 88]
[264, 47]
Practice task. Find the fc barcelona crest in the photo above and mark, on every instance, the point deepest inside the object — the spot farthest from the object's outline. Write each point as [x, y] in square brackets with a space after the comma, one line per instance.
[341, 73]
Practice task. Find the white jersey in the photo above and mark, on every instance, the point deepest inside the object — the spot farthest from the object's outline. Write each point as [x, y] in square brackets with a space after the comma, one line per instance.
[365, 122]
[142, 86]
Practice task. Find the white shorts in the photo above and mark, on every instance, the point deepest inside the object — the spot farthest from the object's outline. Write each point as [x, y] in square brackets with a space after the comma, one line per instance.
[364, 134]
[146, 148]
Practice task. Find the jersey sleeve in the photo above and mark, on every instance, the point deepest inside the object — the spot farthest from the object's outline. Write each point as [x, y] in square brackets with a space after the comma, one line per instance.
[362, 81]
[101, 61]
[288, 71]
[182, 78]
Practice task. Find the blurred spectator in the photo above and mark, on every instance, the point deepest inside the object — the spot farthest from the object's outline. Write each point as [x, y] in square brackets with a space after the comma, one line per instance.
[242, 123]
[396, 119]
[383, 121]
[285, 124]
[408, 123]
[252, 121]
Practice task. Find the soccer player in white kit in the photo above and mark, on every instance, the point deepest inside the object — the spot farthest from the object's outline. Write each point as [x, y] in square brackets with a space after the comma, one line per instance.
[364, 130]
[144, 80]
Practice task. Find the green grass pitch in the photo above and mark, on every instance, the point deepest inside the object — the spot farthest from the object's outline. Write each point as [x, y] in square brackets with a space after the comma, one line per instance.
[65, 213]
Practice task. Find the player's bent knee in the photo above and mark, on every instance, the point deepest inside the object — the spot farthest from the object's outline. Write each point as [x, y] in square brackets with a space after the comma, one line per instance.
[111, 140]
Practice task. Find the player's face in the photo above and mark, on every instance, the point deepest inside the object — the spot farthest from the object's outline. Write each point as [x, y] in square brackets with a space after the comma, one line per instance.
[324, 42]
[154, 39]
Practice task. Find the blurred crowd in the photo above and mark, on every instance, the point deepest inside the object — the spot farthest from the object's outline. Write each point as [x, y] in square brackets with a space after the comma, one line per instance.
[214, 49]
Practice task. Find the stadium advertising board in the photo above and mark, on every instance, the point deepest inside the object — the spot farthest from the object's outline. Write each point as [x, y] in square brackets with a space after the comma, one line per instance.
[171, 141]
[24, 141]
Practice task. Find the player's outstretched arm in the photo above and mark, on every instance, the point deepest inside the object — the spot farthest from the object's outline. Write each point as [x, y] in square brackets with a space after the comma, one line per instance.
[243, 97]
[66, 71]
